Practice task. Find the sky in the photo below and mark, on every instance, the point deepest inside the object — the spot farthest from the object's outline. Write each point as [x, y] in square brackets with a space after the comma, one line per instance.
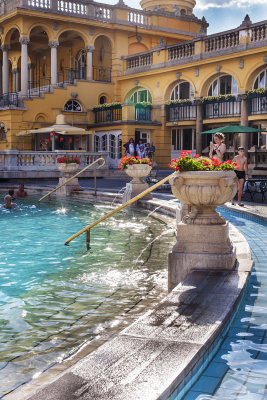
[220, 14]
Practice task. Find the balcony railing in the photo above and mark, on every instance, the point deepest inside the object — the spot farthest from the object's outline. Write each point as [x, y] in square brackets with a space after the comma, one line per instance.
[41, 85]
[180, 112]
[258, 104]
[223, 41]
[258, 32]
[181, 51]
[9, 100]
[222, 109]
[69, 75]
[139, 61]
[102, 74]
[142, 113]
[109, 114]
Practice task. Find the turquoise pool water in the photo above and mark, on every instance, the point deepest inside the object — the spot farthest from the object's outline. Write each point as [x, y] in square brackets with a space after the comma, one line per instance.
[239, 368]
[54, 298]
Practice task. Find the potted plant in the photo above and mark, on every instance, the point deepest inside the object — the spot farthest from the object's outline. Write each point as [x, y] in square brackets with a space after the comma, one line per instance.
[68, 165]
[137, 168]
[203, 184]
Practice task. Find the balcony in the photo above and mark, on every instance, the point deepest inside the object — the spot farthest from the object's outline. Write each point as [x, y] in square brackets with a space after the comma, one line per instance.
[221, 109]
[142, 113]
[101, 74]
[257, 104]
[180, 112]
[9, 100]
[108, 114]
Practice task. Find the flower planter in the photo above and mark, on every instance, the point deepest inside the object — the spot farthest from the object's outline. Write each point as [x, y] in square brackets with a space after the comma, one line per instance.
[204, 191]
[138, 172]
[67, 170]
[202, 235]
[138, 184]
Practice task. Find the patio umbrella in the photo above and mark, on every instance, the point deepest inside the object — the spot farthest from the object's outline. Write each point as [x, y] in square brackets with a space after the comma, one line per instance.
[59, 127]
[234, 129]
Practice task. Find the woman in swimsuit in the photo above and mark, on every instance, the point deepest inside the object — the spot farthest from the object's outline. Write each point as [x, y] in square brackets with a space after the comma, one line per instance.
[218, 148]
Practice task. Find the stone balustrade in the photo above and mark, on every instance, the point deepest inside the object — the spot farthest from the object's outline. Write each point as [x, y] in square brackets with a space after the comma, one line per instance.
[138, 18]
[258, 32]
[200, 47]
[181, 51]
[223, 41]
[140, 60]
[13, 160]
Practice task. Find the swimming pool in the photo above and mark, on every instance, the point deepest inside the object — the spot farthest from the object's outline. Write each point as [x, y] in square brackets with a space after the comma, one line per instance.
[55, 298]
[239, 368]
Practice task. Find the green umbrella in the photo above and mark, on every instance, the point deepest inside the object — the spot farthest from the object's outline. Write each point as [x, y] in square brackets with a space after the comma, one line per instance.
[234, 129]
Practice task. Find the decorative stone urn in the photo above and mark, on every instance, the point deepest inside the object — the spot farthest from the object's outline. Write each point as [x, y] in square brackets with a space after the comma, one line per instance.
[68, 170]
[202, 235]
[138, 184]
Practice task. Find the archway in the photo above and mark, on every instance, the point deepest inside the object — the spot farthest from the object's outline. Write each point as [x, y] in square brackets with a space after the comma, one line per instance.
[72, 56]
[102, 59]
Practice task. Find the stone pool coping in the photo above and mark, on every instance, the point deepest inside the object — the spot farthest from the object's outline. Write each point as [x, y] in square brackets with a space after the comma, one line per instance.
[163, 349]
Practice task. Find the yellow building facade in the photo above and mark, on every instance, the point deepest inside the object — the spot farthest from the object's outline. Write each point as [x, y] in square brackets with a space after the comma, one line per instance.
[151, 74]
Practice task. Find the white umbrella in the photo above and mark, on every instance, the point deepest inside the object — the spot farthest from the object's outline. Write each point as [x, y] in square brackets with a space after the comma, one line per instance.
[60, 127]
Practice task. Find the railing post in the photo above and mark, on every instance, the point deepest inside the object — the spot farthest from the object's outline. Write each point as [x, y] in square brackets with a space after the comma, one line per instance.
[11, 163]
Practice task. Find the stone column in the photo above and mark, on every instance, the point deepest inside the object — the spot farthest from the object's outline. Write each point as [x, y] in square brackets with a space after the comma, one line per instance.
[14, 73]
[1, 88]
[199, 126]
[24, 65]
[89, 62]
[53, 45]
[5, 72]
[17, 80]
[244, 137]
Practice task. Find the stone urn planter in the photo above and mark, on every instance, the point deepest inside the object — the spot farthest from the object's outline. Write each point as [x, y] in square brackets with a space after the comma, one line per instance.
[202, 235]
[138, 184]
[204, 191]
[67, 170]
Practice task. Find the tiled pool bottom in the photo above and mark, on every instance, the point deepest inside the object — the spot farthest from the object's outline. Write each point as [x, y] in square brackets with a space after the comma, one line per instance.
[239, 368]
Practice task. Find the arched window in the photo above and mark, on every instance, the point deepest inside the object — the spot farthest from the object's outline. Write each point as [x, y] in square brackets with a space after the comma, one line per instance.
[260, 81]
[102, 100]
[73, 106]
[141, 95]
[181, 91]
[225, 84]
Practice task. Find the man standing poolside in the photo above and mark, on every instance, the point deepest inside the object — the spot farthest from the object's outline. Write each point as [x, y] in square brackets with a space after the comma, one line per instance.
[241, 172]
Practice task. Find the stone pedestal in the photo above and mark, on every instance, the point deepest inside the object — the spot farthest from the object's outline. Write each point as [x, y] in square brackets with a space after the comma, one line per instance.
[68, 188]
[200, 247]
[137, 185]
[202, 235]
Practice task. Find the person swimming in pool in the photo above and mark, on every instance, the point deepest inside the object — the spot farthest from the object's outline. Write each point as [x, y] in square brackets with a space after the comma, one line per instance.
[8, 202]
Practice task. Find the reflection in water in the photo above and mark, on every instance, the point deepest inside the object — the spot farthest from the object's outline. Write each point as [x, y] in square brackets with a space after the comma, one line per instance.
[54, 298]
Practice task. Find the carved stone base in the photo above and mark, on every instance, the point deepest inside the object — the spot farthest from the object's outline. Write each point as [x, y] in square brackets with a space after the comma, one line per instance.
[199, 247]
[133, 189]
[68, 188]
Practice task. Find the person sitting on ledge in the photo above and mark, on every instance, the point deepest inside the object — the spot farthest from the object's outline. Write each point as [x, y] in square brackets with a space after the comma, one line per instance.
[8, 202]
[21, 192]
